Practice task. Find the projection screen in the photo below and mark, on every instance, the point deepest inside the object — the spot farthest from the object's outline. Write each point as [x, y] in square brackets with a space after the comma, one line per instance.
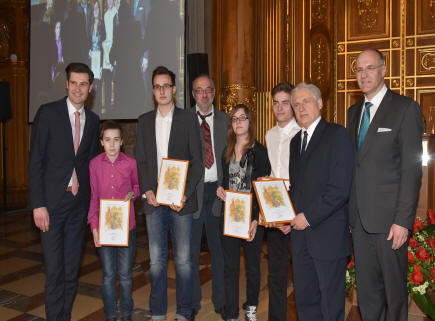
[121, 40]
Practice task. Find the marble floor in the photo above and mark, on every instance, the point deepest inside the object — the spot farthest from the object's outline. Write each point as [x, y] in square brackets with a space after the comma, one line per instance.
[22, 278]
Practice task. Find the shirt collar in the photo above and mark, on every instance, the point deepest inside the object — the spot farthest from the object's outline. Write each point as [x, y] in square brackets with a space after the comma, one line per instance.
[197, 109]
[121, 157]
[378, 97]
[168, 116]
[287, 128]
[72, 109]
[312, 127]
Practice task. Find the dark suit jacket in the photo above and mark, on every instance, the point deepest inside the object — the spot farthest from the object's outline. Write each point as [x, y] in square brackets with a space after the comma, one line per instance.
[220, 126]
[387, 174]
[184, 143]
[320, 186]
[52, 159]
[260, 168]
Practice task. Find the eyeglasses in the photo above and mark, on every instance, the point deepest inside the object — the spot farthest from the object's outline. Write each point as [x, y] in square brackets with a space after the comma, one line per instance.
[201, 91]
[241, 118]
[164, 87]
[370, 68]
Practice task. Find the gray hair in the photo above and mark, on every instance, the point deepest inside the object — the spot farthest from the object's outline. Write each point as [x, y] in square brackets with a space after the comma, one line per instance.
[312, 88]
[203, 76]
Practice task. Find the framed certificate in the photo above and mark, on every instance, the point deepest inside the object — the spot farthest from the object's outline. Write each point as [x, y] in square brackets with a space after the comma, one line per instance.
[274, 201]
[237, 217]
[114, 222]
[172, 181]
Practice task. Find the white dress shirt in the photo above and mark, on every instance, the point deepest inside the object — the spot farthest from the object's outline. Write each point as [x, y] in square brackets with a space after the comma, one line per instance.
[278, 148]
[163, 130]
[72, 119]
[376, 101]
[210, 174]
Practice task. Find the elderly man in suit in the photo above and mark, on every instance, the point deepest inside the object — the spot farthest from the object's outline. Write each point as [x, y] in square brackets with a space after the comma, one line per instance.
[213, 133]
[64, 139]
[321, 161]
[168, 132]
[386, 131]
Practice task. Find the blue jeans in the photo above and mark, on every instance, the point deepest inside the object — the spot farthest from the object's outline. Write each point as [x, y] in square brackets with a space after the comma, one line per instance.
[118, 260]
[159, 223]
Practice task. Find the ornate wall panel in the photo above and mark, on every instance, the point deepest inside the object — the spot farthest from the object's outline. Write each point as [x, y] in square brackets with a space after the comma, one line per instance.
[14, 24]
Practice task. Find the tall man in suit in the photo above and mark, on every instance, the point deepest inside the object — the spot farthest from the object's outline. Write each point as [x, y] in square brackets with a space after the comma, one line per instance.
[213, 132]
[168, 132]
[321, 160]
[64, 139]
[386, 131]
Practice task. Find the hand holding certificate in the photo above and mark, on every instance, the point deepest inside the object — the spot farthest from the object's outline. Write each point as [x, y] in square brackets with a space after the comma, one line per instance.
[114, 222]
[172, 182]
[274, 201]
[237, 217]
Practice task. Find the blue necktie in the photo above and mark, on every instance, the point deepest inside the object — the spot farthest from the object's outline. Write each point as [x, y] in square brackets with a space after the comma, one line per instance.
[365, 123]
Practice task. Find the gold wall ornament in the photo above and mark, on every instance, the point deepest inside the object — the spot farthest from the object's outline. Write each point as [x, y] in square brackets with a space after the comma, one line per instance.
[238, 94]
[319, 11]
[432, 7]
[409, 82]
[396, 83]
[428, 59]
[396, 43]
[340, 85]
[5, 38]
[320, 74]
[410, 42]
[367, 11]
[340, 48]
[431, 119]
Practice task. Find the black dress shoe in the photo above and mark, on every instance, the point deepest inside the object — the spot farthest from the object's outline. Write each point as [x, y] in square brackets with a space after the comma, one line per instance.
[194, 313]
[221, 312]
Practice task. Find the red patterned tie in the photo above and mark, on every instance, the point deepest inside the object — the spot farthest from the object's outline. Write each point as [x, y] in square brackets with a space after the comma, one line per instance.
[209, 159]
[75, 181]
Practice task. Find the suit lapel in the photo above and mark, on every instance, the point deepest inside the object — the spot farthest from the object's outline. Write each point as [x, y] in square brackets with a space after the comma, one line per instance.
[173, 131]
[354, 123]
[68, 129]
[85, 136]
[381, 113]
[315, 139]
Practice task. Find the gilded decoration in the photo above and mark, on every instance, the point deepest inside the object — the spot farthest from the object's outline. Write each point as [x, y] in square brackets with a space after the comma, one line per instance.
[432, 8]
[238, 94]
[427, 60]
[431, 119]
[4, 40]
[368, 11]
[319, 11]
[320, 62]
[409, 82]
[340, 48]
[396, 83]
[396, 43]
[340, 85]
[410, 42]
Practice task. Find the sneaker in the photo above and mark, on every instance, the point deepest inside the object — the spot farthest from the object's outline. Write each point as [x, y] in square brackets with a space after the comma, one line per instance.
[250, 313]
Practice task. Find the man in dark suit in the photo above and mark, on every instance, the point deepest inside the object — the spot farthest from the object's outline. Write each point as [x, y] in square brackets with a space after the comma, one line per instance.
[213, 133]
[386, 131]
[321, 160]
[168, 132]
[64, 139]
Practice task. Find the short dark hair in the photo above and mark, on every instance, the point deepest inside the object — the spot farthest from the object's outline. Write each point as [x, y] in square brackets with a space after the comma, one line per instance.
[282, 87]
[162, 70]
[80, 68]
[110, 124]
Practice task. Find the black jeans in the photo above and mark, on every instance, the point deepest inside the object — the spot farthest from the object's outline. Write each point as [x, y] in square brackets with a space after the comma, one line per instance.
[278, 263]
[214, 235]
[231, 250]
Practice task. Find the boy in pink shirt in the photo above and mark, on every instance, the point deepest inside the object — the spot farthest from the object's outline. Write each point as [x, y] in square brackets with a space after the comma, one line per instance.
[114, 175]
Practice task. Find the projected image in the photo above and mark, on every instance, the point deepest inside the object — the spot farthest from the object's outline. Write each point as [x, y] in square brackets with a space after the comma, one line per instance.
[122, 41]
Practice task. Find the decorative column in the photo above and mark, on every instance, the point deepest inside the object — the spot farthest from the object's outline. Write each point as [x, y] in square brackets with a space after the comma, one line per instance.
[238, 54]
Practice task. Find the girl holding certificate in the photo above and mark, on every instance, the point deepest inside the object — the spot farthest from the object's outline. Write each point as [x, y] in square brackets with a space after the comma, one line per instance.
[113, 175]
[244, 160]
